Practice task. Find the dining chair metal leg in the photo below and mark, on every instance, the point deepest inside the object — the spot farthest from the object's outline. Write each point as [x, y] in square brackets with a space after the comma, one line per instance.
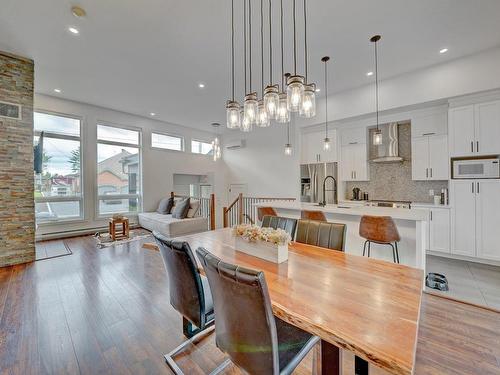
[364, 247]
[369, 248]
[169, 357]
[397, 251]
[393, 252]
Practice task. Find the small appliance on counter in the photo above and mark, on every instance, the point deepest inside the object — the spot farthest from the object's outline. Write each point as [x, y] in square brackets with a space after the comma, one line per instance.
[356, 194]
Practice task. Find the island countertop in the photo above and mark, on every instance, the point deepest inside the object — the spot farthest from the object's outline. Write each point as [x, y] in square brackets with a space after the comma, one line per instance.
[413, 214]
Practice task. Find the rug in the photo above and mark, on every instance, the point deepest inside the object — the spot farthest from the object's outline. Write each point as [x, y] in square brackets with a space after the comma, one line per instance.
[104, 239]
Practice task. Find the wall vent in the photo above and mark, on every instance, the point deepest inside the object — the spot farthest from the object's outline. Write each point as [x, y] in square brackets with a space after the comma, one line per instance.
[10, 111]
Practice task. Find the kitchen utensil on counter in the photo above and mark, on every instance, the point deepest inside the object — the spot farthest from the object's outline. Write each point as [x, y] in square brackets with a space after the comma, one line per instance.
[356, 194]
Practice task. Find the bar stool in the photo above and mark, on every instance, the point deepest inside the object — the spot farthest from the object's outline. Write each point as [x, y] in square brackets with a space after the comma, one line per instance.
[265, 211]
[312, 215]
[381, 230]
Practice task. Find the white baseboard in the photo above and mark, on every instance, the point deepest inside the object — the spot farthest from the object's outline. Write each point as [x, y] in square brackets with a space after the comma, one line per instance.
[74, 233]
[463, 257]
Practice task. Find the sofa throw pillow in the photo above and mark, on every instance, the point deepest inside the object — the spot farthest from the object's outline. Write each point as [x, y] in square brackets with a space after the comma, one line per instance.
[181, 209]
[165, 206]
[194, 206]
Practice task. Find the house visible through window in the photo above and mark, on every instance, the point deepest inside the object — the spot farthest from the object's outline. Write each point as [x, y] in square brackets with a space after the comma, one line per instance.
[200, 147]
[118, 170]
[58, 186]
[168, 142]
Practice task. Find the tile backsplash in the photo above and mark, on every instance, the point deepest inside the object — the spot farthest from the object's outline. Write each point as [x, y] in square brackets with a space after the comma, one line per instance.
[392, 181]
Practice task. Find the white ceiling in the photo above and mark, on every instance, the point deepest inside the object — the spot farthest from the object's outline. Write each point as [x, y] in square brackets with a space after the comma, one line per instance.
[149, 55]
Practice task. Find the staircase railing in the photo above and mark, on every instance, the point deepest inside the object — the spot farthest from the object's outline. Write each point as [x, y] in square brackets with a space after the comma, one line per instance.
[207, 207]
[243, 210]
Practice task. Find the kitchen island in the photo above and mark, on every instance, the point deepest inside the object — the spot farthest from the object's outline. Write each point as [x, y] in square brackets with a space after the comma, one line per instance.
[411, 224]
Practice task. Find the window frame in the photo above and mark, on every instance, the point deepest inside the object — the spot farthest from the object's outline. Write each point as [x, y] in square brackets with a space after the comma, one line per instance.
[139, 147]
[77, 198]
[201, 141]
[183, 141]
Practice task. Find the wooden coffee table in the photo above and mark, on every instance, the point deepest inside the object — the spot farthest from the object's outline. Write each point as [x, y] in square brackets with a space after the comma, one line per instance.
[113, 223]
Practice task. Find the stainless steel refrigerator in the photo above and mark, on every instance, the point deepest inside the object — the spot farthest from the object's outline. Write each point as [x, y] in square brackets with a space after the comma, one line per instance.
[311, 182]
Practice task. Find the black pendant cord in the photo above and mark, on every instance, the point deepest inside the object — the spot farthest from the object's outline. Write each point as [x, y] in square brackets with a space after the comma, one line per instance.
[376, 80]
[245, 42]
[282, 51]
[305, 40]
[262, 45]
[232, 46]
[326, 101]
[270, 47]
[294, 42]
[250, 40]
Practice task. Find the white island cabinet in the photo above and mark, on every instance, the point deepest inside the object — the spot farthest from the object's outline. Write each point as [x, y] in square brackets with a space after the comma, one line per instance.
[411, 224]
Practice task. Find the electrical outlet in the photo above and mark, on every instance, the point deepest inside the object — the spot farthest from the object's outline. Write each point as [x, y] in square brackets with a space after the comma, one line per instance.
[431, 192]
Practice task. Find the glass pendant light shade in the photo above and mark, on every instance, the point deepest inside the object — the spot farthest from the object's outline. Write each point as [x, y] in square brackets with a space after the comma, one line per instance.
[295, 91]
[288, 149]
[216, 150]
[246, 125]
[271, 101]
[233, 114]
[308, 107]
[326, 144]
[262, 116]
[283, 114]
[377, 137]
[250, 108]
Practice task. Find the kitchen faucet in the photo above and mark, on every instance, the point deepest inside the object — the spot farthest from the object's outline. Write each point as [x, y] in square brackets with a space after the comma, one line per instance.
[335, 201]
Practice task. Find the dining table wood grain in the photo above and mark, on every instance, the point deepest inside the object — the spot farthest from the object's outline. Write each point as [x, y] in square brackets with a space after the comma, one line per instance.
[367, 306]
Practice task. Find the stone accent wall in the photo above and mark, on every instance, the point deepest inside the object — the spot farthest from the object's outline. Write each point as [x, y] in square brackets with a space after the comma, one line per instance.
[392, 181]
[17, 211]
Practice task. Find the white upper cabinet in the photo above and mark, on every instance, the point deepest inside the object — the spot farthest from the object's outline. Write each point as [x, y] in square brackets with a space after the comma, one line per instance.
[429, 156]
[430, 124]
[475, 129]
[487, 209]
[488, 128]
[353, 136]
[354, 162]
[312, 147]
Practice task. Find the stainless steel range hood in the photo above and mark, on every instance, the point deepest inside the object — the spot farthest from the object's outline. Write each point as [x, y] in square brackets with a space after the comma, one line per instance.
[388, 151]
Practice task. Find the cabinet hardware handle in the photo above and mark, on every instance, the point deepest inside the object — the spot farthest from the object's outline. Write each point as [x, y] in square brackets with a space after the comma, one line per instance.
[478, 187]
[431, 172]
[426, 172]
[472, 146]
[477, 146]
[428, 133]
[473, 188]
[353, 143]
[431, 215]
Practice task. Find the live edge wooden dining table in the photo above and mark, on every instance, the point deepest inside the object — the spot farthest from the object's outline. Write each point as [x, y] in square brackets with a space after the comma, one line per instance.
[363, 305]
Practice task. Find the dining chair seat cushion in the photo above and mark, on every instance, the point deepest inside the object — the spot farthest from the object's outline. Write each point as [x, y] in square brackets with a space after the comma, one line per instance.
[289, 225]
[323, 234]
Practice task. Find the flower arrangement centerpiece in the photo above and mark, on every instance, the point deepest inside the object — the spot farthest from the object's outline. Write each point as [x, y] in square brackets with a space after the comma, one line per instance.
[266, 243]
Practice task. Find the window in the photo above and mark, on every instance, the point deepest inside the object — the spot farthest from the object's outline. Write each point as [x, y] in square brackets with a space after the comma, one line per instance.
[118, 170]
[200, 147]
[58, 188]
[167, 142]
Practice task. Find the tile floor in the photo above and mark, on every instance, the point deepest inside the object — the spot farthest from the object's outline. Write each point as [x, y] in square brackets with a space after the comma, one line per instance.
[468, 281]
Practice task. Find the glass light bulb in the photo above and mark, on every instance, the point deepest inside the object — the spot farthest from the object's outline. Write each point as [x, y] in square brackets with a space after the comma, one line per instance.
[288, 149]
[250, 108]
[308, 107]
[326, 144]
[295, 91]
[283, 114]
[262, 116]
[271, 101]
[233, 114]
[246, 125]
[377, 137]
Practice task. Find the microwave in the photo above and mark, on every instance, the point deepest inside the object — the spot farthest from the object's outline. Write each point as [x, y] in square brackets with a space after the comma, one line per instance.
[476, 168]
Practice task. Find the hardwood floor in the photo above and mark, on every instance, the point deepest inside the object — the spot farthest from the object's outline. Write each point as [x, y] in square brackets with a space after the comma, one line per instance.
[107, 311]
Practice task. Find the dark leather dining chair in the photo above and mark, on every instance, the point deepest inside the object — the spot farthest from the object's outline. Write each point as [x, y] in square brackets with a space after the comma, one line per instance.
[323, 234]
[287, 224]
[312, 215]
[381, 230]
[189, 293]
[246, 329]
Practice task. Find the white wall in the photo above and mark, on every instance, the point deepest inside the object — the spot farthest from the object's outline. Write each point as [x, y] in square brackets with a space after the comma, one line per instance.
[158, 166]
[266, 171]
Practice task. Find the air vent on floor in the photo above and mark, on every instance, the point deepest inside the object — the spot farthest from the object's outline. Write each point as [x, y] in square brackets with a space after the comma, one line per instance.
[11, 111]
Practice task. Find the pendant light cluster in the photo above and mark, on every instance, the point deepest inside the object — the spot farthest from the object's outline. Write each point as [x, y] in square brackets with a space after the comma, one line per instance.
[296, 95]
[216, 147]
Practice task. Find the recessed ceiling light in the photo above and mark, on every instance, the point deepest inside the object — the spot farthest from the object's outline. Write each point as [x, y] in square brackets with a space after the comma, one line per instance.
[153, 114]
[73, 30]
[78, 11]
[57, 90]
[201, 85]
[444, 50]
[369, 74]
[318, 90]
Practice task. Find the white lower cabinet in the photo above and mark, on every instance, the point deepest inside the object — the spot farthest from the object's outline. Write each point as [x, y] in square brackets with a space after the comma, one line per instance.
[474, 218]
[439, 230]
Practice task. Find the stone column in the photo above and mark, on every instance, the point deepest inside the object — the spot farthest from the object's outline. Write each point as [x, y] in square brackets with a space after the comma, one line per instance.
[17, 211]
